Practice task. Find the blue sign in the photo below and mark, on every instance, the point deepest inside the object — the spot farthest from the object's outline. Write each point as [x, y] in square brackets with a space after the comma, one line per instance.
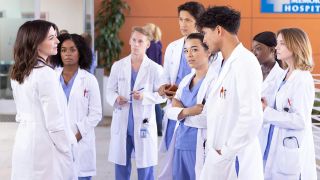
[290, 6]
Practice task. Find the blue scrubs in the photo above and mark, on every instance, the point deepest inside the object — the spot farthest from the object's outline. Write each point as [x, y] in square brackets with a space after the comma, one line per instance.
[270, 134]
[124, 172]
[184, 69]
[184, 158]
[67, 87]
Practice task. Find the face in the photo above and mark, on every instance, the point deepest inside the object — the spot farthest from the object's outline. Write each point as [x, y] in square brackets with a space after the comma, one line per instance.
[139, 43]
[211, 39]
[197, 56]
[187, 23]
[49, 45]
[69, 53]
[283, 53]
[263, 53]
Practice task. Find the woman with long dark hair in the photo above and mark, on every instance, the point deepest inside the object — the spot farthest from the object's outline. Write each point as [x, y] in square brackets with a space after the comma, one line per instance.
[42, 148]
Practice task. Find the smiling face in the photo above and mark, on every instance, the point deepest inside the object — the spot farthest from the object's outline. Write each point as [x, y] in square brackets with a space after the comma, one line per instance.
[69, 53]
[187, 23]
[283, 53]
[197, 56]
[49, 45]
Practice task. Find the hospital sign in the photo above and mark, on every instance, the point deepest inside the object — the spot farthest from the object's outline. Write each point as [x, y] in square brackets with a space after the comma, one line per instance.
[290, 6]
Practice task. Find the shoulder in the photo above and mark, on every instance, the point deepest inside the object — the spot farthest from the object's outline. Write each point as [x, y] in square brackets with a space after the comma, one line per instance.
[175, 43]
[121, 62]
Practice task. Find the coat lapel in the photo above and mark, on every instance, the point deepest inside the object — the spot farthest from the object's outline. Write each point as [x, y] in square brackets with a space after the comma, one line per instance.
[226, 67]
[76, 84]
[126, 74]
[176, 58]
[143, 72]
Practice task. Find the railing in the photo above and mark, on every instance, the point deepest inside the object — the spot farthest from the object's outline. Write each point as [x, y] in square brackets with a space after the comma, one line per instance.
[316, 119]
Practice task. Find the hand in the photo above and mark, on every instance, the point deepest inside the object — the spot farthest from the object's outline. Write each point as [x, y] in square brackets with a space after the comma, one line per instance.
[169, 94]
[121, 100]
[162, 88]
[264, 103]
[78, 136]
[137, 95]
[195, 110]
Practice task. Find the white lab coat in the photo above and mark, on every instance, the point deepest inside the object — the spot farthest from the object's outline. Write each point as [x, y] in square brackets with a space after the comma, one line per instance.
[42, 148]
[198, 121]
[119, 85]
[269, 90]
[285, 160]
[171, 65]
[234, 120]
[85, 112]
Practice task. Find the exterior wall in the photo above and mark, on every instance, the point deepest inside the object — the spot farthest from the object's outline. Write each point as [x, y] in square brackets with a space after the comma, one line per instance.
[164, 14]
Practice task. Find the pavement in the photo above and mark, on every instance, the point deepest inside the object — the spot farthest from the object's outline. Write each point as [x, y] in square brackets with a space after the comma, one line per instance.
[105, 169]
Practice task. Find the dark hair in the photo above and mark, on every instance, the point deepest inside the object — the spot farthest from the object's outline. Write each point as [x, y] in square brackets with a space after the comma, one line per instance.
[194, 8]
[198, 36]
[25, 54]
[223, 16]
[85, 53]
[267, 38]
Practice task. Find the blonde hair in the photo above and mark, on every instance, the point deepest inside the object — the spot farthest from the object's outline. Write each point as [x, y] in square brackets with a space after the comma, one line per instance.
[298, 43]
[154, 30]
[143, 31]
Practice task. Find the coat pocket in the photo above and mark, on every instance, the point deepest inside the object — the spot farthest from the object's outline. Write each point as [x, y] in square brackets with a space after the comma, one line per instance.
[289, 159]
[217, 167]
[116, 119]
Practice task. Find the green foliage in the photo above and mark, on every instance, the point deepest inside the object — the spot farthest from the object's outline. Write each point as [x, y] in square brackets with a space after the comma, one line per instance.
[108, 22]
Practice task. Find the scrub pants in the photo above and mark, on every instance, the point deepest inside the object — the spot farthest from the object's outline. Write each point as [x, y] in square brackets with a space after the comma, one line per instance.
[124, 172]
[184, 162]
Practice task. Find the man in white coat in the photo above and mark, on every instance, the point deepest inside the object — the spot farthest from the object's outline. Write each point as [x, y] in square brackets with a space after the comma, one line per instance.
[234, 112]
[133, 91]
[175, 69]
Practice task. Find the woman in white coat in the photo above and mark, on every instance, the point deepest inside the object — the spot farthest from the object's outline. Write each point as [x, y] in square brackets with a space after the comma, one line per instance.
[289, 153]
[175, 69]
[234, 112]
[263, 47]
[42, 148]
[133, 91]
[187, 108]
[82, 97]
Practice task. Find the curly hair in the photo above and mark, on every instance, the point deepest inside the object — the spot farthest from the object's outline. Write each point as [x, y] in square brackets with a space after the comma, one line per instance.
[25, 54]
[85, 53]
[223, 16]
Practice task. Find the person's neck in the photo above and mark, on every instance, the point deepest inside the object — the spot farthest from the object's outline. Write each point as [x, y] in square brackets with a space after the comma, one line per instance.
[136, 62]
[268, 64]
[290, 68]
[68, 72]
[229, 44]
[201, 71]
[43, 58]
[136, 58]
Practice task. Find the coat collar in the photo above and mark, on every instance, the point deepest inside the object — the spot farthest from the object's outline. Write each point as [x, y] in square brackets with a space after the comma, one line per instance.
[227, 65]
[143, 70]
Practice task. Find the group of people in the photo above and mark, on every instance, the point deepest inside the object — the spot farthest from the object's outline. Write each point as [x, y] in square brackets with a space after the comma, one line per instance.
[230, 113]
